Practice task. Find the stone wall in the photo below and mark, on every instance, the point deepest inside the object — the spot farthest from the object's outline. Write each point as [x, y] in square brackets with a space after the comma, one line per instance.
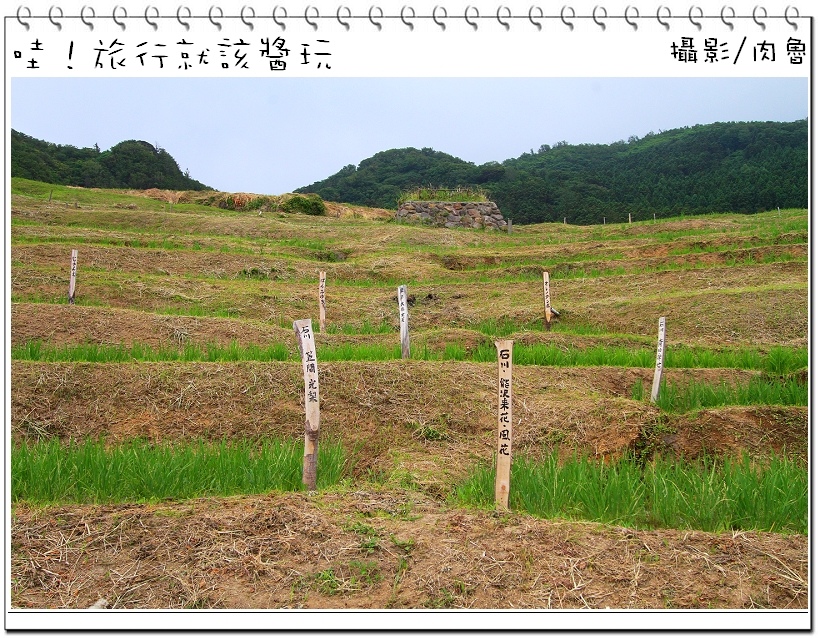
[453, 214]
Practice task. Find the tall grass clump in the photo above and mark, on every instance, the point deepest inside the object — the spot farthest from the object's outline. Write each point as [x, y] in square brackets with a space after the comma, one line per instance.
[91, 472]
[705, 494]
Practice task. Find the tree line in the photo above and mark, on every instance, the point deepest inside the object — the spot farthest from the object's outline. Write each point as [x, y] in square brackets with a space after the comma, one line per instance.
[129, 164]
[743, 167]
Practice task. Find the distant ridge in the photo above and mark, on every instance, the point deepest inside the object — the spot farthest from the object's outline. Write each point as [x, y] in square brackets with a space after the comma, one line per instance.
[743, 167]
[129, 164]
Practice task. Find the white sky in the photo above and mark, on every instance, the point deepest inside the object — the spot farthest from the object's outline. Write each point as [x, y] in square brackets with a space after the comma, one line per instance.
[271, 136]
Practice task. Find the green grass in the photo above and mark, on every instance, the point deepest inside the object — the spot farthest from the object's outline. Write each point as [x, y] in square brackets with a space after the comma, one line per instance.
[778, 361]
[102, 353]
[694, 395]
[363, 329]
[91, 472]
[705, 494]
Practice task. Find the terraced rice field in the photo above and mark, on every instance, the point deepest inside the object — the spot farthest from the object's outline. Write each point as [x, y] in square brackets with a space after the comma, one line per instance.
[181, 340]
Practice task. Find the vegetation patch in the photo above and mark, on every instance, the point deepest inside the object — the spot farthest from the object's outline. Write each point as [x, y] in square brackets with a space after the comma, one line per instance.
[92, 472]
[707, 493]
[695, 395]
[779, 361]
[441, 194]
[307, 204]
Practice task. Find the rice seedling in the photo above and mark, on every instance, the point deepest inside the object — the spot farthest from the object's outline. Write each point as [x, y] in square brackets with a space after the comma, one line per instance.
[92, 472]
[779, 362]
[366, 328]
[704, 494]
[695, 395]
[104, 353]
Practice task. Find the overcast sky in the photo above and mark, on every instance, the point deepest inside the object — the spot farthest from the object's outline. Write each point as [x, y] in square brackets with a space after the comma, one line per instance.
[272, 136]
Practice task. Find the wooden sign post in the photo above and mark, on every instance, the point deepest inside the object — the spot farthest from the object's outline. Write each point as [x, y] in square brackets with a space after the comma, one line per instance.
[629, 218]
[509, 226]
[306, 343]
[546, 289]
[660, 360]
[72, 284]
[322, 300]
[403, 308]
[502, 480]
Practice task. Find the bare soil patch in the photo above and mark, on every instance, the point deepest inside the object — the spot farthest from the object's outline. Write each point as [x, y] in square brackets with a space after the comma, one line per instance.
[391, 549]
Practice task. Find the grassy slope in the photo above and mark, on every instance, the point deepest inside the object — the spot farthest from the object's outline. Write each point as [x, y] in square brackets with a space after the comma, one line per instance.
[199, 275]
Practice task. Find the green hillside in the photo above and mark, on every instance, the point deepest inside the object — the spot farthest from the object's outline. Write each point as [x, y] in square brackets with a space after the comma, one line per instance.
[742, 167]
[129, 164]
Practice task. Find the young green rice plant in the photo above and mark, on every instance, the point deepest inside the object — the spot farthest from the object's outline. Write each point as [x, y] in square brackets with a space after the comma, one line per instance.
[706, 494]
[364, 329]
[359, 352]
[105, 353]
[498, 327]
[685, 495]
[772, 497]
[91, 472]
[731, 494]
[762, 390]
[779, 361]
[454, 352]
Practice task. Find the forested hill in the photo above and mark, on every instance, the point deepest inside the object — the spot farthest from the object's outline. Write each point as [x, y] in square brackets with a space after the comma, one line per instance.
[741, 167]
[129, 164]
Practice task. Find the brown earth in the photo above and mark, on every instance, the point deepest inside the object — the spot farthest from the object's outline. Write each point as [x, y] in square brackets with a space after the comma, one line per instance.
[387, 550]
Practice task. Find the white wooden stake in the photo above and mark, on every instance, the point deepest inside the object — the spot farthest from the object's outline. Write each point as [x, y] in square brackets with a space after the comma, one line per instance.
[502, 481]
[403, 309]
[509, 226]
[629, 218]
[322, 300]
[306, 343]
[72, 284]
[546, 289]
[660, 360]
